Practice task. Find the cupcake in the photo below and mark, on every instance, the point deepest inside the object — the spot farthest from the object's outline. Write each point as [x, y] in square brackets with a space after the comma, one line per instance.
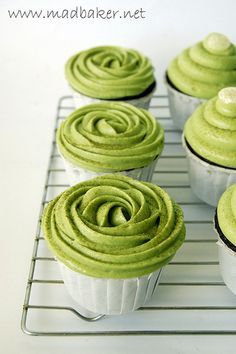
[225, 226]
[198, 73]
[111, 236]
[210, 141]
[110, 73]
[109, 137]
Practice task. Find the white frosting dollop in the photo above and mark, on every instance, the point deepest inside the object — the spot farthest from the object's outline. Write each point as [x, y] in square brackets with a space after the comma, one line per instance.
[228, 95]
[216, 42]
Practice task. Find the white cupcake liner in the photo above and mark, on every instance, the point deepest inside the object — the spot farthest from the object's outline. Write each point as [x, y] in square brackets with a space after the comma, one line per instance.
[207, 181]
[109, 296]
[81, 100]
[181, 105]
[78, 174]
[227, 261]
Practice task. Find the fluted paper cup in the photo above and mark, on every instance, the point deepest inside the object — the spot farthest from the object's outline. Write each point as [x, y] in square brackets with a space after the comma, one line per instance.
[109, 296]
[227, 261]
[76, 174]
[141, 102]
[181, 105]
[207, 181]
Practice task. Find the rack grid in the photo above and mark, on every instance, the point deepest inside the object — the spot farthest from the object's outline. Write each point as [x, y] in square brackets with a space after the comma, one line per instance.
[191, 298]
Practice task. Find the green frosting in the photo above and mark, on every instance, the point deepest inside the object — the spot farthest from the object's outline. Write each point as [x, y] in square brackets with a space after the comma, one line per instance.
[109, 72]
[113, 227]
[211, 130]
[110, 136]
[202, 70]
[226, 213]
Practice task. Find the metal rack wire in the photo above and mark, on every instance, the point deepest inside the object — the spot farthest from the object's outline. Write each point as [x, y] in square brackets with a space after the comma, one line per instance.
[191, 297]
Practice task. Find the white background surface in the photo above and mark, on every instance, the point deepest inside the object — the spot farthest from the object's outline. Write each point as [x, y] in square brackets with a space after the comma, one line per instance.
[33, 53]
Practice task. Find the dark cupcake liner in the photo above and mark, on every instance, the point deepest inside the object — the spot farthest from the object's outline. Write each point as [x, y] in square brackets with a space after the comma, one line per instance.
[150, 89]
[222, 236]
[206, 160]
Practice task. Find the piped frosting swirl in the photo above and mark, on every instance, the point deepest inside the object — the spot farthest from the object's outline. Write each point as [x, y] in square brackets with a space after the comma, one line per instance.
[109, 72]
[211, 130]
[113, 227]
[110, 136]
[226, 214]
[205, 68]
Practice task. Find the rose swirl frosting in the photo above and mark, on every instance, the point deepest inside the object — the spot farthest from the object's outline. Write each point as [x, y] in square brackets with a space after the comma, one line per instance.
[114, 227]
[110, 136]
[109, 72]
[211, 130]
[205, 68]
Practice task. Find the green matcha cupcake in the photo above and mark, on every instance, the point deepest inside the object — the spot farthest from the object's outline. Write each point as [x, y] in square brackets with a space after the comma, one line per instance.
[210, 141]
[110, 137]
[198, 73]
[111, 236]
[225, 226]
[111, 73]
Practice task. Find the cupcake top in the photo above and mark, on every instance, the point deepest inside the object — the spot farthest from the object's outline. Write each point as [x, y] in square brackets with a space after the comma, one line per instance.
[226, 214]
[113, 227]
[205, 68]
[110, 136]
[110, 72]
[211, 130]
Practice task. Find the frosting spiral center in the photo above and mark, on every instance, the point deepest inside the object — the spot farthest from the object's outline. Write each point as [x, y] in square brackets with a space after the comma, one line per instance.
[114, 227]
[107, 137]
[110, 72]
[211, 130]
[205, 68]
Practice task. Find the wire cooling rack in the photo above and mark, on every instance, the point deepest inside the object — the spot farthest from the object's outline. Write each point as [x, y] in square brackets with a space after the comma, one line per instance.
[191, 297]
